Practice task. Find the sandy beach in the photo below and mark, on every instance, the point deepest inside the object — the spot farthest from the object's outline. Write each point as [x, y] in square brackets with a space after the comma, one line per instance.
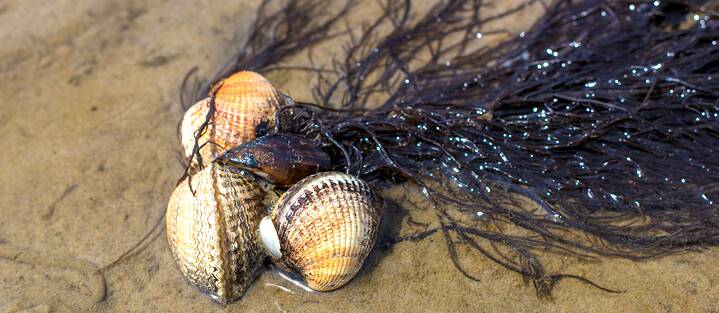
[89, 107]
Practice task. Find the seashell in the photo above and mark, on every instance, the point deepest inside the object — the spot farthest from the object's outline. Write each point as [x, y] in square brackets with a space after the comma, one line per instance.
[324, 228]
[213, 233]
[282, 159]
[191, 122]
[245, 104]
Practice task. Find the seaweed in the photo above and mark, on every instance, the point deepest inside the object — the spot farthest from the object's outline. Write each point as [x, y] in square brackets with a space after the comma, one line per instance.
[593, 133]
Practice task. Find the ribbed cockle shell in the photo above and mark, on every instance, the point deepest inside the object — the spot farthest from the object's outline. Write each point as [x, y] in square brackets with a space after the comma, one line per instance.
[326, 226]
[245, 103]
[213, 233]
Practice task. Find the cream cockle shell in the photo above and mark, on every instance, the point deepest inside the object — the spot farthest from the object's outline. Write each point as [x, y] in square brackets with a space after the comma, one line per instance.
[324, 227]
[244, 102]
[213, 232]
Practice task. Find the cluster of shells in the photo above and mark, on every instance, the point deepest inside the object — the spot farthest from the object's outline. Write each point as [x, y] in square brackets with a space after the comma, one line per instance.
[231, 215]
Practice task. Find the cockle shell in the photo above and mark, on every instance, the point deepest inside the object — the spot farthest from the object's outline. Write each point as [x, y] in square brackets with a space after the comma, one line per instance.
[190, 124]
[213, 233]
[245, 103]
[281, 159]
[326, 225]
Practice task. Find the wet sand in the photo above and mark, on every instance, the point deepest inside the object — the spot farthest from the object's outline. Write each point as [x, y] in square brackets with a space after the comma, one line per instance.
[88, 116]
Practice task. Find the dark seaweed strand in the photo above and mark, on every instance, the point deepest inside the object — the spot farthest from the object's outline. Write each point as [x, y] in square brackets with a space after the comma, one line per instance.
[275, 35]
[593, 133]
[603, 115]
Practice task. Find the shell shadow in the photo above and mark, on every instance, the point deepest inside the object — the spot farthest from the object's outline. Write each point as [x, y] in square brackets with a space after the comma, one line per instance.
[390, 224]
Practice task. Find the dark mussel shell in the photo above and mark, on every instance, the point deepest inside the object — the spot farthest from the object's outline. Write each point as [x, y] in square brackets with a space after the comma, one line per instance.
[282, 159]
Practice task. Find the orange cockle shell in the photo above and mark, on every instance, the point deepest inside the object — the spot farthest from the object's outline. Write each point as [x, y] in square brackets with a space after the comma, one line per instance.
[245, 102]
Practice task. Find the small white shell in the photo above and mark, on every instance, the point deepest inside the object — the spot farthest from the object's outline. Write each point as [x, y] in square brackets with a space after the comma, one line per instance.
[270, 238]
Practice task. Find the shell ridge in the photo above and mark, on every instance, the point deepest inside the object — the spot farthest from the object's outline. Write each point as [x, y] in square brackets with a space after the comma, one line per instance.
[221, 234]
[232, 219]
[194, 273]
[244, 202]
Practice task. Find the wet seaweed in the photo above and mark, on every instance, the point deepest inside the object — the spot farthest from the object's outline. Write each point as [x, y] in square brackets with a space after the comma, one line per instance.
[275, 35]
[593, 133]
